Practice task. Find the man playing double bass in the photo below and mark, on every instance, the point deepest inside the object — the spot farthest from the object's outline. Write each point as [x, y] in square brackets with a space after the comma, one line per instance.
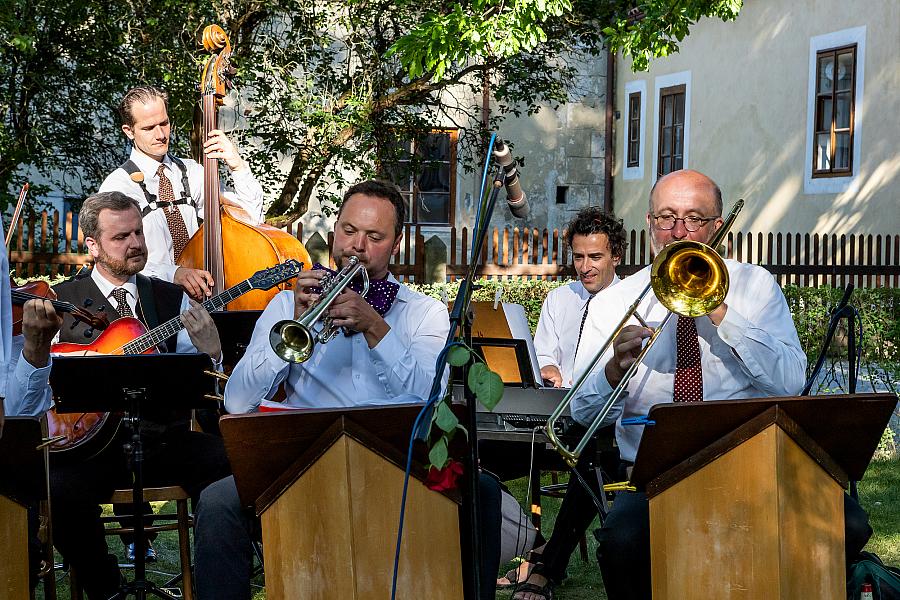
[169, 190]
[173, 454]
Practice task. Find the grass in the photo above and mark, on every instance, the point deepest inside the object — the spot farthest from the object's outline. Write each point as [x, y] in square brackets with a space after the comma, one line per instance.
[879, 493]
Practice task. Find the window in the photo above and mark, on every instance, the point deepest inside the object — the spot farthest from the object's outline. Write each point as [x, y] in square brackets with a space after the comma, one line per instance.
[633, 147]
[634, 129]
[425, 171]
[671, 130]
[835, 77]
[834, 112]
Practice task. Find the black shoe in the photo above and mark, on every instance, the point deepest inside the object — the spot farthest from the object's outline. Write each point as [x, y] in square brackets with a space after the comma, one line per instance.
[150, 556]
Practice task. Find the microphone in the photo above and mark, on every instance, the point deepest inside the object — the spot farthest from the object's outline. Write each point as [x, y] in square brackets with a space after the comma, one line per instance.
[515, 197]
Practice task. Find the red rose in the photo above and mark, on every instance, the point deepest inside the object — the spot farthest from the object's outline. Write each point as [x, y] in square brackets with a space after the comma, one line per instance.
[442, 480]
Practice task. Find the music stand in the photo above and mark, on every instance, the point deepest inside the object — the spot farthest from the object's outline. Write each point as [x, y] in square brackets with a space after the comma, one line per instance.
[235, 328]
[131, 384]
[22, 475]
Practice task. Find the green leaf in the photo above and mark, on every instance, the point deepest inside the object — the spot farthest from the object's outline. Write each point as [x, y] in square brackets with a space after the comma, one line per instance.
[444, 417]
[486, 384]
[459, 355]
[438, 454]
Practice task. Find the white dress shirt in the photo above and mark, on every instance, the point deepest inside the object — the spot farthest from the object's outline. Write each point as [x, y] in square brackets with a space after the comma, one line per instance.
[557, 329]
[248, 194]
[754, 352]
[29, 387]
[345, 372]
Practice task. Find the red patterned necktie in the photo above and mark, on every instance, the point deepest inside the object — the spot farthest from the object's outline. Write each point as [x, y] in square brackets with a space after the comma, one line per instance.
[688, 372]
[173, 216]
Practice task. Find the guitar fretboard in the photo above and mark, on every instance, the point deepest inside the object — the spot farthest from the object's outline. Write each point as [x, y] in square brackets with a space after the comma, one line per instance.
[171, 327]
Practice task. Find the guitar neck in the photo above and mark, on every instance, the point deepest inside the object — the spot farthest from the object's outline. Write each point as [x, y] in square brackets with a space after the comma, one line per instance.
[171, 327]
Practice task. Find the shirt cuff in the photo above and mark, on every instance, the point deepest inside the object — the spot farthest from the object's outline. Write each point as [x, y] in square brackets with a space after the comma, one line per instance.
[31, 377]
[387, 351]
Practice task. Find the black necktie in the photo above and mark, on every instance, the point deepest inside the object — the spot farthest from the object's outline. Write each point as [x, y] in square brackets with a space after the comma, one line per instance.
[583, 321]
[121, 298]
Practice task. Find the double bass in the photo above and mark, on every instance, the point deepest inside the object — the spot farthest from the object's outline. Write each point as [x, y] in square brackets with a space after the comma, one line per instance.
[229, 244]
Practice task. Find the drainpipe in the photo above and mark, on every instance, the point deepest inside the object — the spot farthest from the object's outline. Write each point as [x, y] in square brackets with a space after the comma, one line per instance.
[609, 137]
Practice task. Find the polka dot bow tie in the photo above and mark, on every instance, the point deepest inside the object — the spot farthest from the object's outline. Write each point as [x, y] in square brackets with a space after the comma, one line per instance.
[381, 295]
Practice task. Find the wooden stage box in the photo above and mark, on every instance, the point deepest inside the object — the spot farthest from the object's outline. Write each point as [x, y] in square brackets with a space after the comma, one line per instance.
[746, 496]
[327, 486]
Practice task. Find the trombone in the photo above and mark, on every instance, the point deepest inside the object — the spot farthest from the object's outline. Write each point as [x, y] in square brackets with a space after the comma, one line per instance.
[688, 278]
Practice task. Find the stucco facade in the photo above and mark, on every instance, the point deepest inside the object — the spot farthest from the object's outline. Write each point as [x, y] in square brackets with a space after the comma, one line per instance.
[750, 88]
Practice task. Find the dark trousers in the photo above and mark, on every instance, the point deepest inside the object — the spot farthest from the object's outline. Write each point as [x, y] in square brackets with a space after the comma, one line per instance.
[624, 544]
[224, 532]
[176, 456]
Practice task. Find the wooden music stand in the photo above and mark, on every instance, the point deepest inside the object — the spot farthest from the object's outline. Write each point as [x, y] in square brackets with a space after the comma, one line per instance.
[22, 485]
[327, 486]
[490, 322]
[746, 496]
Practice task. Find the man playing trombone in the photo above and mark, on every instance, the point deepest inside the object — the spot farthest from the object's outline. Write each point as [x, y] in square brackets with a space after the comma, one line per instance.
[745, 347]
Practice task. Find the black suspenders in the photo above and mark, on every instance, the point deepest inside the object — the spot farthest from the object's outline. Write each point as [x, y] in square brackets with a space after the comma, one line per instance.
[152, 202]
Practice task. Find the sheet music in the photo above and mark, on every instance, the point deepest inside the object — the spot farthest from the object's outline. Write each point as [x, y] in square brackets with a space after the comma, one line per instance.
[518, 328]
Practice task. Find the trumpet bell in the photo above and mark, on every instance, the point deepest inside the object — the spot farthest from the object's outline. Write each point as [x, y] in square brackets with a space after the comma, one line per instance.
[689, 278]
[292, 341]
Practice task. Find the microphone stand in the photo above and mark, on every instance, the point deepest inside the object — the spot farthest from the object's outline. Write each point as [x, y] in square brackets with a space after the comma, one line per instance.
[844, 310]
[460, 319]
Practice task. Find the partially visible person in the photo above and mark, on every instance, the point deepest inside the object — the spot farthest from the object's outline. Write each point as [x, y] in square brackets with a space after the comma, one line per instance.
[747, 347]
[597, 240]
[113, 232]
[5, 325]
[169, 190]
[598, 243]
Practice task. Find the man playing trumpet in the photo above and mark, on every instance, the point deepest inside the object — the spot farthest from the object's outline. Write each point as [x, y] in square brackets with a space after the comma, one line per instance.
[389, 357]
[746, 347]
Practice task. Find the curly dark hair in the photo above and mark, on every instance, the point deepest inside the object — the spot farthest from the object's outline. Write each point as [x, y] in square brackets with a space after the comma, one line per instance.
[380, 189]
[594, 219]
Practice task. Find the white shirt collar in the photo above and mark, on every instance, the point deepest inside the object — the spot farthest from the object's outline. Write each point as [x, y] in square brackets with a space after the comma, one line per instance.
[147, 165]
[106, 287]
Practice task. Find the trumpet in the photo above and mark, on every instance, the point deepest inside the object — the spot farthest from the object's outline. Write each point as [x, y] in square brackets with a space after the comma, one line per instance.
[294, 340]
[688, 278]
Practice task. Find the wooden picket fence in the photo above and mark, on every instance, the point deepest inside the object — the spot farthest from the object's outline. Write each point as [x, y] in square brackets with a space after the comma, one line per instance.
[51, 244]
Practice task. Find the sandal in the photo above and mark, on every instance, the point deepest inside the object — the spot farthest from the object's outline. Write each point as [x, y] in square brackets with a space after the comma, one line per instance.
[512, 576]
[545, 591]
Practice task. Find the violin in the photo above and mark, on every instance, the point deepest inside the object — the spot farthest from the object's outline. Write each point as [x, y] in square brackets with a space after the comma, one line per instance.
[41, 290]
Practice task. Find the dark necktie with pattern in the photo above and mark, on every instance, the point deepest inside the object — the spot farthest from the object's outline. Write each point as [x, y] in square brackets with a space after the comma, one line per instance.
[121, 298]
[381, 295]
[688, 371]
[173, 216]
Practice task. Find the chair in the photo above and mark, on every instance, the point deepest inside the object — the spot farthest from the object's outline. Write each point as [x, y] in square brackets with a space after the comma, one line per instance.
[181, 521]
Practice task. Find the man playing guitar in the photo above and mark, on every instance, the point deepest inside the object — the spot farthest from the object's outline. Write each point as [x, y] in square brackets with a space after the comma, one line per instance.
[113, 232]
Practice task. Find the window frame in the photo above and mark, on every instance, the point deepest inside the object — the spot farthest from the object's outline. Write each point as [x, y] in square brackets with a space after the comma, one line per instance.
[848, 182]
[832, 171]
[633, 131]
[410, 191]
[636, 172]
[660, 83]
[676, 91]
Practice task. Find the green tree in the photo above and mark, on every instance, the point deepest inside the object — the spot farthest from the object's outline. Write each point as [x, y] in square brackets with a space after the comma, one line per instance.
[325, 87]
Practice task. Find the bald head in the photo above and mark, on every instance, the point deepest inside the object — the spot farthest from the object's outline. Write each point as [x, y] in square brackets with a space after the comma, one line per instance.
[683, 183]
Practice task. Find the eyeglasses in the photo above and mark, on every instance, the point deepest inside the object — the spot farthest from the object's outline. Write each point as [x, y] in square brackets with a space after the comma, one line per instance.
[667, 222]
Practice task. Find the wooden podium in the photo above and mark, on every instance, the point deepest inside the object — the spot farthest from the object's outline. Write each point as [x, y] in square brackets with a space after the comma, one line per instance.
[746, 496]
[22, 483]
[327, 486]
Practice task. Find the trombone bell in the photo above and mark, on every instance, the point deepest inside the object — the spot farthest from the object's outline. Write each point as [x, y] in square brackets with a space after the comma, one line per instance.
[689, 278]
